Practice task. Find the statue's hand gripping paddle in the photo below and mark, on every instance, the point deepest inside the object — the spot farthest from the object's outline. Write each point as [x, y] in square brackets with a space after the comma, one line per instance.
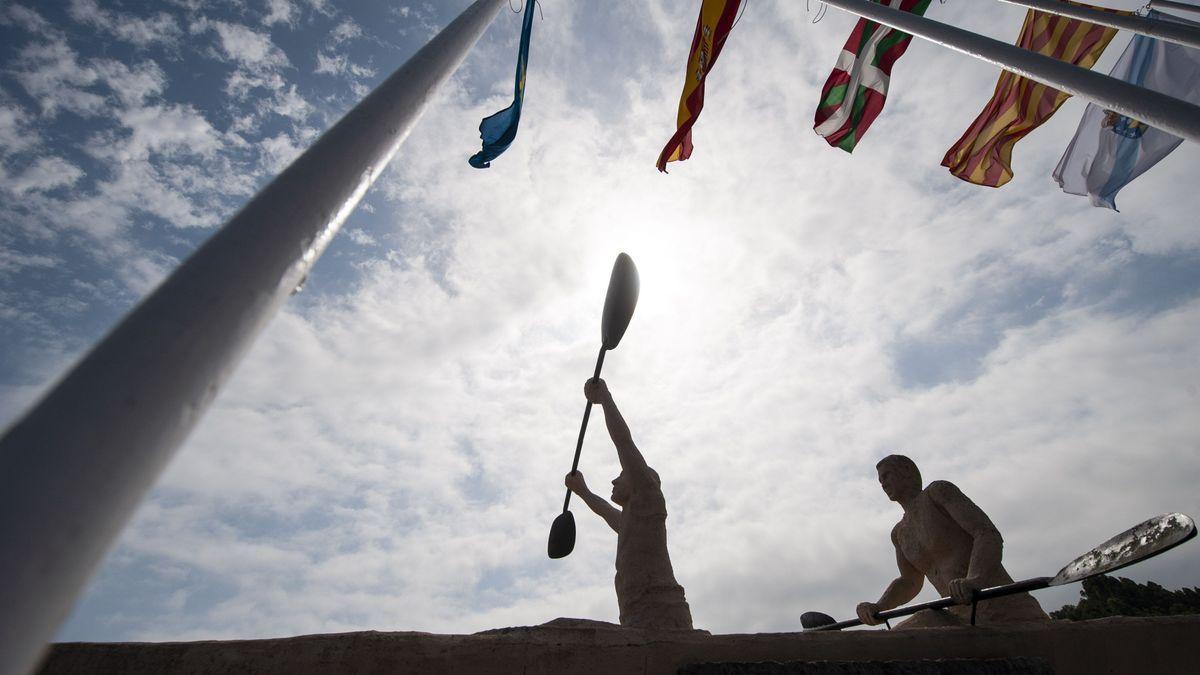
[619, 303]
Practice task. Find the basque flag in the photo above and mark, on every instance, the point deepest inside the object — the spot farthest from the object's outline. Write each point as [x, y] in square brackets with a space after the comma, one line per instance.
[856, 90]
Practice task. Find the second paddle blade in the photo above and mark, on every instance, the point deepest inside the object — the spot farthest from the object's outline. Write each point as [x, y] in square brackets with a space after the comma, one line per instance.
[562, 536]
[809, 620]
[1139, 542]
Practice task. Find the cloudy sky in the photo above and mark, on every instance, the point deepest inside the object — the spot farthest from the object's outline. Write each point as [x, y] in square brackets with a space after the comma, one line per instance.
[390, 454]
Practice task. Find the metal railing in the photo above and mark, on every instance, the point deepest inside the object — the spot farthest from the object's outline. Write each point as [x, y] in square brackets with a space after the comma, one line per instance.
[1157, 110]
[75, 467]
[1156, 28]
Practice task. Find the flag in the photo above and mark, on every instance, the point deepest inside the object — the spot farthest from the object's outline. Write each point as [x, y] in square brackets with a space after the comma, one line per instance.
[984, 153]
[712, 27]
[855, 92]
[1109, 149]
[499, 129]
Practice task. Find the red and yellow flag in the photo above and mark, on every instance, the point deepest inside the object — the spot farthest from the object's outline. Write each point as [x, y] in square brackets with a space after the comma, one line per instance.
[984, 153]
[712, 27]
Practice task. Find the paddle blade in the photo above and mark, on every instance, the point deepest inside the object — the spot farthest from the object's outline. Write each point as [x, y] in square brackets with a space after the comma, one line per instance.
[622, 297]
[810, 620]
[562, 536]
[1133, 545]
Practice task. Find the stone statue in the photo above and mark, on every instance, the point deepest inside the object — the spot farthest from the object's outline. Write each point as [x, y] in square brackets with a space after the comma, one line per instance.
[946, 538]
[647, 593]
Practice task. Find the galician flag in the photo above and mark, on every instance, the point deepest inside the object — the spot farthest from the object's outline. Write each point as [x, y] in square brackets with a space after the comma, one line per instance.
[712, 27]
[856, 90]
[1019, 105]
[1109, 149]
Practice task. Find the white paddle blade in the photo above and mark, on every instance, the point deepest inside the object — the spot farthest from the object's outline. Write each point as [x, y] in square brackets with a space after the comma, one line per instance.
[1133, 545]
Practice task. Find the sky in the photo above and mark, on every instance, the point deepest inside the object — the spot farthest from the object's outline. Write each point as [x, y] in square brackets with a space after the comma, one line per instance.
[390, 453]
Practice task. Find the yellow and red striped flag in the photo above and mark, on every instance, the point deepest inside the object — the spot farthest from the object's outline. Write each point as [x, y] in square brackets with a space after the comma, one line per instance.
[984, 153]
[712, 27]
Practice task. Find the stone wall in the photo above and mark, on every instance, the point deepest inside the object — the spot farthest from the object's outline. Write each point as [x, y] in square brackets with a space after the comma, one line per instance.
[1161, 645]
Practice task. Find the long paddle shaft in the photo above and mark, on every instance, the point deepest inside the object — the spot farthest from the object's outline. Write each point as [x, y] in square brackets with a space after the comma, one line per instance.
[942, 603]
[587, 412]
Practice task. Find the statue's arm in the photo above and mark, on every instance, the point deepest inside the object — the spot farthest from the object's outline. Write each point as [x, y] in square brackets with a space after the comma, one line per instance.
[633, 464]
[599, 505]
[988, 546]
[904, 587]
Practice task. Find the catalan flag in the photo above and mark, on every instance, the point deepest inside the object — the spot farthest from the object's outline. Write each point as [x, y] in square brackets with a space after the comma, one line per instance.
[984, 153]
[856, 90]
[712, 27]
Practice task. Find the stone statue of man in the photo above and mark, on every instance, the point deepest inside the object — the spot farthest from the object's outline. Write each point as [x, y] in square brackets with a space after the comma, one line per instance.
[944, 537]
[647, 593]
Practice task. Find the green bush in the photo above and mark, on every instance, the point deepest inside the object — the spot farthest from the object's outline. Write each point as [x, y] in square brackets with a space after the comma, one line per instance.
[1108, 596]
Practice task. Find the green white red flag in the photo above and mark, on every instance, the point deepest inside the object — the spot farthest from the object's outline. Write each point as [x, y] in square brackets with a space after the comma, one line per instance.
[855, 92]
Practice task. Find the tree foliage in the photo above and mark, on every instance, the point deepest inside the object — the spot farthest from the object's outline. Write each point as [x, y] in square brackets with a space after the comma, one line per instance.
[1109, 596]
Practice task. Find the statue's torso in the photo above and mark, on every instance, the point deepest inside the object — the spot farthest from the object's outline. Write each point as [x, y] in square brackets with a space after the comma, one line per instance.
[940, 549]
[934, 544]
[647, 593]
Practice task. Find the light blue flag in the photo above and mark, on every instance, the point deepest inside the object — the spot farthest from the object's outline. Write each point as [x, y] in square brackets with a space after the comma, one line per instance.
[499, 129]
[1109, 149]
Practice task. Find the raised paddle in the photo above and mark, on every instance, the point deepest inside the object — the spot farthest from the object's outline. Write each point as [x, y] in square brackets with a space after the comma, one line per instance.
[618, 310]
[1134, 545]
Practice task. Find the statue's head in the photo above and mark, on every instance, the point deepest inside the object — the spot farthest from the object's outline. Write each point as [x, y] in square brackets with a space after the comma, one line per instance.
[623, 489]
[899, 477]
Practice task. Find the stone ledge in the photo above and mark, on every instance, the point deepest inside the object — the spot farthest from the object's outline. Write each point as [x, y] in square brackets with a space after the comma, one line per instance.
[1120, 646]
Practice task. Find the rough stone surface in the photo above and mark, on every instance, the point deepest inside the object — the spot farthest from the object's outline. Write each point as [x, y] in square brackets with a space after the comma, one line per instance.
[1016, 666]
[1161, 645]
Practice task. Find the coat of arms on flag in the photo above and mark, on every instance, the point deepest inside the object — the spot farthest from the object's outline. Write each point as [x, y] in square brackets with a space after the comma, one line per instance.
[1109, 149]
[712, 27]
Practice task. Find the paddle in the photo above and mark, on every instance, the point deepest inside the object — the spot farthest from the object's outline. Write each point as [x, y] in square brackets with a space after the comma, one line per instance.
[1134, 545]
[618, 310]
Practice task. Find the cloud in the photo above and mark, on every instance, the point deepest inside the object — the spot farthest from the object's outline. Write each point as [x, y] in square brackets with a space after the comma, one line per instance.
[26, 18]
[279, 151]
[339, 64]
[348, 29]
[139, 31]
[280, 11]
[243, 45]
[44, 174]
[51, 73]
[390, 453]
[17, 134]
[11, 261]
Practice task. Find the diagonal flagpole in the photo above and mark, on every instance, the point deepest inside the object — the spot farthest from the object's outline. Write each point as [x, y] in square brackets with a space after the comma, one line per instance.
[1174, 5]
[1179, 33]
[1157, 110]
[75, 467]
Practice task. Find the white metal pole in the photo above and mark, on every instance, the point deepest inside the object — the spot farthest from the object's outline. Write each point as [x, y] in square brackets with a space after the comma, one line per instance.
[1175, 5]
[1163, 30]
[75, 467]
[1157, 110]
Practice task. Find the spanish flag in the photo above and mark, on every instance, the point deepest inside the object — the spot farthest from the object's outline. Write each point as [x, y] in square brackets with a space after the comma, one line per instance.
[712, 27]
[984, 153]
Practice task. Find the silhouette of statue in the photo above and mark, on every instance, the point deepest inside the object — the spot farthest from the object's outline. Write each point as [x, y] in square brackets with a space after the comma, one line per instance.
[647, 593]
[946, 538]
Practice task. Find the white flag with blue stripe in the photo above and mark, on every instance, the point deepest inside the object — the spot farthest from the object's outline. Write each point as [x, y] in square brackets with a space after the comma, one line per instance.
[1109, 149]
